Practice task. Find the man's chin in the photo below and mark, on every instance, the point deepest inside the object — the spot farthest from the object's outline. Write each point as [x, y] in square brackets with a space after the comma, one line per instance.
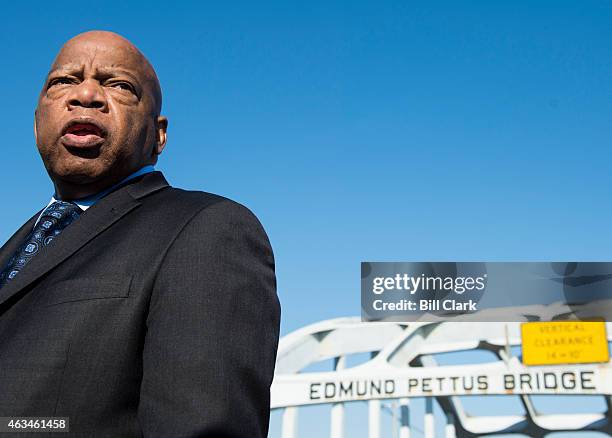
[79, 173]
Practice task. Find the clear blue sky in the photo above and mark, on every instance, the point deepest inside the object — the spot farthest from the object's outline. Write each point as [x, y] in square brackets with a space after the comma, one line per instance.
[377, 130]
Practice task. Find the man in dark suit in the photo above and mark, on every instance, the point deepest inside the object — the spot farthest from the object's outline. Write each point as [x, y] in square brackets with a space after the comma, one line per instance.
[131, 307]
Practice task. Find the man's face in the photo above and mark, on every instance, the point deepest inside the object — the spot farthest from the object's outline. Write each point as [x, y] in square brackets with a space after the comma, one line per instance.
[97, 119]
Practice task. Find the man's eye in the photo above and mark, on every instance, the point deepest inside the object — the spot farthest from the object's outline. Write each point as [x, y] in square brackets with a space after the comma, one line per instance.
[59, 81]
[122, 86]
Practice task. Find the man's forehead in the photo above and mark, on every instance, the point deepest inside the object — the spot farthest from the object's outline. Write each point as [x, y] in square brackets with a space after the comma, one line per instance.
[99, 54]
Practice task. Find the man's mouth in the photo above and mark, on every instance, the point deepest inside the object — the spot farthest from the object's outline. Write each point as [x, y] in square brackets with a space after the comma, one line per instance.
[83, 134]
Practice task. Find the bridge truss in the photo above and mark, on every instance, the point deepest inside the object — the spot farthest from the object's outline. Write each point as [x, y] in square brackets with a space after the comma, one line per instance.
[402, 365]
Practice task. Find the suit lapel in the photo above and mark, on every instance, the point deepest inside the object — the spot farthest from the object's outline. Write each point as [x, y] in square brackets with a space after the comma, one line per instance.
[92, 222]
[13, 244]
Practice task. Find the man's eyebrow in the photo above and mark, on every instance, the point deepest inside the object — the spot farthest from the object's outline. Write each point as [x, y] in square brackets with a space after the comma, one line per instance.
[65, 68]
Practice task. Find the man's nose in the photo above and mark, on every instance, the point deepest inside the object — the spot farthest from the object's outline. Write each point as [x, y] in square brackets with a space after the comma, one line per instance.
[87, 94]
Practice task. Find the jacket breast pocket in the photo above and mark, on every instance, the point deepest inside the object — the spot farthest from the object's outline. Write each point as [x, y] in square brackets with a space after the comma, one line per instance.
[85, 289]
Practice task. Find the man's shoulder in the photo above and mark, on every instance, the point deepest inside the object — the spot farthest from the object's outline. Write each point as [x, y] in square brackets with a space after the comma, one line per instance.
[189, 199]
[200, 206]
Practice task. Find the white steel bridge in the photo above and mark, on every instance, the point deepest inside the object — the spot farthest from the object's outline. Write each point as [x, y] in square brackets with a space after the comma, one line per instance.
[402, 365]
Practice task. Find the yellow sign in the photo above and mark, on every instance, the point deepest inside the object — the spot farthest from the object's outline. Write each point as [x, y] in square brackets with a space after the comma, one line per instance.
[564, 342]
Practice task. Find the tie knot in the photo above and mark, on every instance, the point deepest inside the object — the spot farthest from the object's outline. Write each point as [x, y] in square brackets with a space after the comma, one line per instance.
[60, 212]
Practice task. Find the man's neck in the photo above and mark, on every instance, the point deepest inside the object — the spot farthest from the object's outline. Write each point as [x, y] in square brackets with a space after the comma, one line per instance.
[82, 193]
[90, 197]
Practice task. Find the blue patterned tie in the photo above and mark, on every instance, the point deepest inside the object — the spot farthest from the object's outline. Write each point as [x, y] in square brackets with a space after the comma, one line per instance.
[51, 223]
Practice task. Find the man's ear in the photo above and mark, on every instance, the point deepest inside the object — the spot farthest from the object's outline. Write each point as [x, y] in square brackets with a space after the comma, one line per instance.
[162, 137]
[35, 130]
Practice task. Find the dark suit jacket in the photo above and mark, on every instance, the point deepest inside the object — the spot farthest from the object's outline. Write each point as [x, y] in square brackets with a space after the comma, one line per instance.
[154, 314]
